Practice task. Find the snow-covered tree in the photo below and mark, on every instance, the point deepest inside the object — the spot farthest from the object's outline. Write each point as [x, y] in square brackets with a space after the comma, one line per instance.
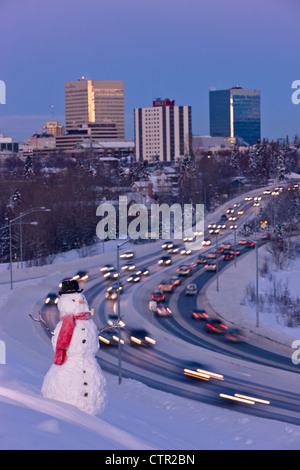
[28, 168]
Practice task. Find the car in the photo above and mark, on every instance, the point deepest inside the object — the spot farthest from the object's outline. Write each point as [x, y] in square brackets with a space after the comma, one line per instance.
[212, 255]
[174, 249]
[112, 292]
[230, 210]
[158, 296]
[167, 245]
[134, 278]
[106, 268]
[256, 204]
[248, 198]
[191, 289]
[211, 267]
[201, 260]
[165, 260]
[235, 252]
[226, 246]
[111, 275]
[223, 217]
[113, 320]
[216, 326]
[128, 267]
[110, 337]
[227, 255]
[162, 311]
[68, 278]
[184, 270]
[232, 218]
[127, 255]
[200, 314]
[206, 242]
[140, 337]
[235, 335]
[189, 239]
[175, 281]
[51, 299]
[195, 371]
[166, 286]
[185, 251]
[249, 244]
[221, 226]
[266, 236]
[241, 212]
[142, 272]
[81, 276]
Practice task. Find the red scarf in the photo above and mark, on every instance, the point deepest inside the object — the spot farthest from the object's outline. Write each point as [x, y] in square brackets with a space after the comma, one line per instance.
[65, 335]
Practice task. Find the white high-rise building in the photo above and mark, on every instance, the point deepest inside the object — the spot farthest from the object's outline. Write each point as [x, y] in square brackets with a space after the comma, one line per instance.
[165, 130]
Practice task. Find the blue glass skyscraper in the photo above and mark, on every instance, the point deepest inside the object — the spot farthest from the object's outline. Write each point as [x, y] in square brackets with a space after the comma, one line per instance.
[235, 113]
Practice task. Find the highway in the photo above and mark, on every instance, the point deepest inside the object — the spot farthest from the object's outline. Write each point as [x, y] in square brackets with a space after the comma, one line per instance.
[162, 367]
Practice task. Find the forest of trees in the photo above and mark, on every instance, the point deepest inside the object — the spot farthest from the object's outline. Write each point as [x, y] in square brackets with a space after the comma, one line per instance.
[73, 189]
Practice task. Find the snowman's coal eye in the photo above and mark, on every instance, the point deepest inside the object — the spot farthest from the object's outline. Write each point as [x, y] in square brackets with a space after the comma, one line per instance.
[73, 300]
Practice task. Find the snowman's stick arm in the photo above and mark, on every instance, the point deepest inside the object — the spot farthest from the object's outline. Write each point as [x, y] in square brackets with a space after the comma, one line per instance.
[40, 320]
[115, 323]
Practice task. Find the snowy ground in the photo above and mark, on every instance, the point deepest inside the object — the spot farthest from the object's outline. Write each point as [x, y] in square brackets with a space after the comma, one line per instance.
[137, 417]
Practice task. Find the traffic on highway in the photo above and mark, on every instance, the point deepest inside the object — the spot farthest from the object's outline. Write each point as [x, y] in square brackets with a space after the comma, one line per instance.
[163, 324]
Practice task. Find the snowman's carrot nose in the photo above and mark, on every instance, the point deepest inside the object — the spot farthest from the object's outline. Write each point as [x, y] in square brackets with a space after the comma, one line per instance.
[81, 301]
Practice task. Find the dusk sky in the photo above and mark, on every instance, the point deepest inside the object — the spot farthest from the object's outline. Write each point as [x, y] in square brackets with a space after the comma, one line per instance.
[160, 48]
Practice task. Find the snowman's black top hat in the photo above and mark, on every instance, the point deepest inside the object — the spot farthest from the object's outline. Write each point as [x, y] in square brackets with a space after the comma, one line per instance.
[69, 286]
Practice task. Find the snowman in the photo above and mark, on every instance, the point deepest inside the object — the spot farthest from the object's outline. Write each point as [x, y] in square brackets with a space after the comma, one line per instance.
[75, 377]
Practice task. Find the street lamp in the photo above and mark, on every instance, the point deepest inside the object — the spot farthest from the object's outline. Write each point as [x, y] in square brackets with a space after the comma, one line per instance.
[10, 249]
[11, 222]
[119, 245]
[216, 232]
[234, 227]
[22, 214]
[256, 281]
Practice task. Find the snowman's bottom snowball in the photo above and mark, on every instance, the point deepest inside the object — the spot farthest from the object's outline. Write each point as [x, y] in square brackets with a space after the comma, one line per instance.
[79, 382]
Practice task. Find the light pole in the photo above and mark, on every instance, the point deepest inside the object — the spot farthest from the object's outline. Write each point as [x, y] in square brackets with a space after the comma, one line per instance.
[234, 227]
[256, 281]
[216, 232]
[11, 222]
[10, 249]
[22, 214]
[119, 245]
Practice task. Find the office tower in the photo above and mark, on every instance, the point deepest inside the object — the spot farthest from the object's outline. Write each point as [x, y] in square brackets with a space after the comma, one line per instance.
[235, 113]
[54, 128]
[165, 130]
[95, 101]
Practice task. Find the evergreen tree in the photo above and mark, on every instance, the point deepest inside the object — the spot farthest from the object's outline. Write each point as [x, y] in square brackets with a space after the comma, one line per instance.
[28, 168]
[157, 163]
[15, 198]
[280, 165]
[235, 159]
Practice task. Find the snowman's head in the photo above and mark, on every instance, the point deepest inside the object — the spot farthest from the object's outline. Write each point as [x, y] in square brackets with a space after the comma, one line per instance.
[72, 304]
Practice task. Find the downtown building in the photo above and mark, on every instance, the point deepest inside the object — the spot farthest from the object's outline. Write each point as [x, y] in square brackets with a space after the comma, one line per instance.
[95, 102]
[235, 114]
[163, 131]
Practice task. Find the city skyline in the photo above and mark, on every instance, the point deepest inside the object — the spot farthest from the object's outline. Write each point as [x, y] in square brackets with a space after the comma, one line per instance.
[159, 49]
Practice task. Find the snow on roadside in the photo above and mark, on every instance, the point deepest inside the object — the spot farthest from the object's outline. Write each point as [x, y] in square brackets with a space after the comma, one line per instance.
[230, 300]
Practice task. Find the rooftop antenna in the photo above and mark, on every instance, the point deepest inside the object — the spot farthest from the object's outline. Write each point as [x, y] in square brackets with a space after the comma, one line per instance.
[52, 112]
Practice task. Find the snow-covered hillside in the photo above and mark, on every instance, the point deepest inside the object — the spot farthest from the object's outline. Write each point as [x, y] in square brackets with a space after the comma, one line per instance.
[137, 417]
